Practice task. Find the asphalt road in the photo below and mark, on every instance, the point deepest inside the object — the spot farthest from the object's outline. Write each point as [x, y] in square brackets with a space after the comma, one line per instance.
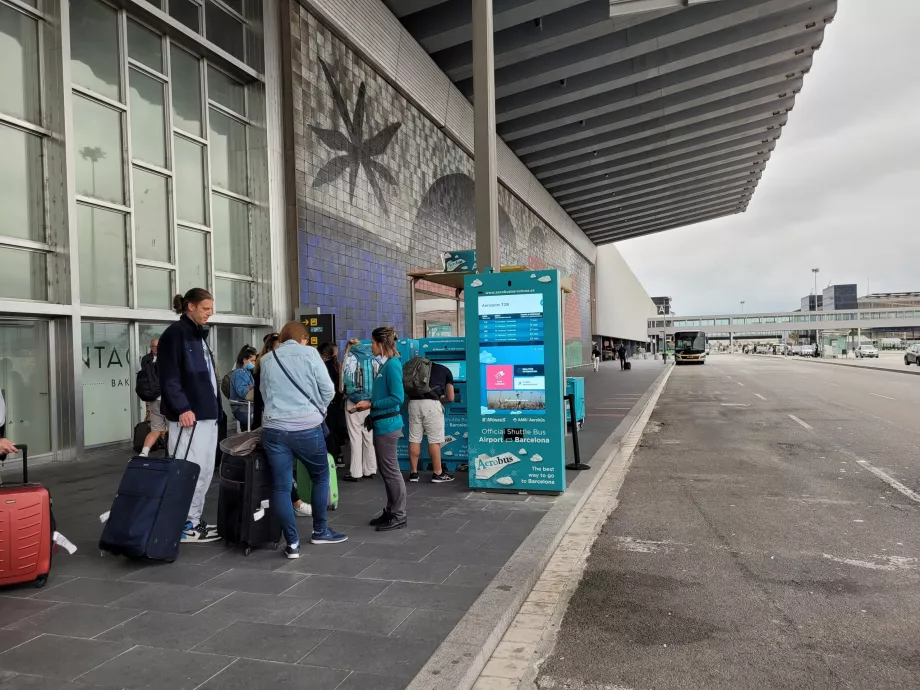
[760, 541]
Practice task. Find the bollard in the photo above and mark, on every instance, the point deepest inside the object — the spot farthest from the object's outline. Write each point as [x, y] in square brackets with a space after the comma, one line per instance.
[578, 464]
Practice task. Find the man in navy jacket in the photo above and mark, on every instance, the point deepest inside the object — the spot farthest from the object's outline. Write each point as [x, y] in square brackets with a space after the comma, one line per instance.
[191, 399]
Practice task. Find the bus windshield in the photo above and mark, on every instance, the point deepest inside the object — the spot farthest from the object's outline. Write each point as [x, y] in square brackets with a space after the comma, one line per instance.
[690, 343]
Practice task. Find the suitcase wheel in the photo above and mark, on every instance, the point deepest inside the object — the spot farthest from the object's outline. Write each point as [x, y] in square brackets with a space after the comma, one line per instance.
[40, 581]
[248, 550]
[275, 546]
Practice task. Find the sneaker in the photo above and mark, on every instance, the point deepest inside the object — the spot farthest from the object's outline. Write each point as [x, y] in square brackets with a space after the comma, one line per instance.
[292, 551]
[380, 519]
[442, 478]
[413, 476]
[200, 534]
[328, 537]
[392, 524]
[303, 510]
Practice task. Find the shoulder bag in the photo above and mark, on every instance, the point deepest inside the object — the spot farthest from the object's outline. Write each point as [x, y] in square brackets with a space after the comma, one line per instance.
[304, 393]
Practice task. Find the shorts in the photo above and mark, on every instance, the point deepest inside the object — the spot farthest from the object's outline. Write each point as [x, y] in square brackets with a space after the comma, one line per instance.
[157, 420]
[426, 418]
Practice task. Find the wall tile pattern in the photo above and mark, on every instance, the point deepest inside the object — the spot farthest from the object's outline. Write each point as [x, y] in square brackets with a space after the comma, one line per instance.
[372, 206]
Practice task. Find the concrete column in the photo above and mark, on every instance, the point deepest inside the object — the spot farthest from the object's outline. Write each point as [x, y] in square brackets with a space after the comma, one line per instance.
[487, 250]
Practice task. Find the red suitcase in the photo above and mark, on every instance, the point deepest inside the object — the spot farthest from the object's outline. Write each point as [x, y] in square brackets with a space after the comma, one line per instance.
[26, 531]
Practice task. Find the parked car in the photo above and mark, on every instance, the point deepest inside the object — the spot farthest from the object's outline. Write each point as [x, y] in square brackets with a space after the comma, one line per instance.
[866, 351]
[912, 356]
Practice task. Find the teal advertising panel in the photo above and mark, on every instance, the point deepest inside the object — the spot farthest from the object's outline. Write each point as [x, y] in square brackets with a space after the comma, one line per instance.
[515, 409]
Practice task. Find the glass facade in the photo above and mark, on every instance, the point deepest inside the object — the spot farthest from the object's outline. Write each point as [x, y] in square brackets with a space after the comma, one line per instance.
[159, 137]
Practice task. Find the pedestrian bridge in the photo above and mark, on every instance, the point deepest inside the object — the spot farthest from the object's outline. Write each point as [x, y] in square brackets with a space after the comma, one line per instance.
[778, 322]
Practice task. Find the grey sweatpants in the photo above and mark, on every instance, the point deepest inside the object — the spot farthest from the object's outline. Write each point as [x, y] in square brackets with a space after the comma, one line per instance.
[203, 453]
[388, 466]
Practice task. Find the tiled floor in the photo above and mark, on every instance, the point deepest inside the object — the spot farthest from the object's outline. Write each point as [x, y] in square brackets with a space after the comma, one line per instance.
[362, 615]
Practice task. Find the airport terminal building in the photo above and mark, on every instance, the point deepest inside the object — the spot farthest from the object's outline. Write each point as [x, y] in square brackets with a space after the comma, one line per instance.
[306, 156]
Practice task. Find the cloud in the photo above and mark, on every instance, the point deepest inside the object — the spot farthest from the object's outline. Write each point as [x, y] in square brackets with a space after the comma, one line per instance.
[486, 357]
[840, 192]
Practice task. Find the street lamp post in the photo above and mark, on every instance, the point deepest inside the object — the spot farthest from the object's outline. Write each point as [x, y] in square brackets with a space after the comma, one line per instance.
[742, 306]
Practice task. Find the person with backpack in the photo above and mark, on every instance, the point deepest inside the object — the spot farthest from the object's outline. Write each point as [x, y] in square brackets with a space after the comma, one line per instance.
[147, 387]
[239, 386]
[358, 371]
[385, 419]
[428, 386]
[296, 388]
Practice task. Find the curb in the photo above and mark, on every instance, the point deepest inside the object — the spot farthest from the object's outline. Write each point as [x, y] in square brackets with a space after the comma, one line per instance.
[459, 660]
[906, 370]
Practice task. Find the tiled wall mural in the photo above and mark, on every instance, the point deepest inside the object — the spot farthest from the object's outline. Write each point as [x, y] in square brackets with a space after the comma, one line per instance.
[381, 191]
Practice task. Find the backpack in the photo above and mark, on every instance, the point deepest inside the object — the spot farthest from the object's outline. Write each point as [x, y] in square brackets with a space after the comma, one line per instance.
[417, 377]
[147, 383]
[358, 373]
[225, 387]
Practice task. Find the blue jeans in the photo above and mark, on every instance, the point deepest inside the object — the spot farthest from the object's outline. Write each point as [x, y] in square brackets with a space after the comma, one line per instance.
[308, 446]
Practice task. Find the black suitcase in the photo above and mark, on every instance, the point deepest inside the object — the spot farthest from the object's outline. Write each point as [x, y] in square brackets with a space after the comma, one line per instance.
[627, 365]
[244, 513]
[151, 508]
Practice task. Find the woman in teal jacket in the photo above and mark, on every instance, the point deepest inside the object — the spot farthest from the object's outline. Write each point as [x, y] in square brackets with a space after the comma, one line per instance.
[386, 400]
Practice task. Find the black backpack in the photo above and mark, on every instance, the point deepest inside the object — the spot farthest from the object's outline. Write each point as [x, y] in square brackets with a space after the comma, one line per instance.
[147, 384]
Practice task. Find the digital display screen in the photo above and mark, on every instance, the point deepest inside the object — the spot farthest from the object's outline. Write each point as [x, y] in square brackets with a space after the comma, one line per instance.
[457, 370]
[511, 353]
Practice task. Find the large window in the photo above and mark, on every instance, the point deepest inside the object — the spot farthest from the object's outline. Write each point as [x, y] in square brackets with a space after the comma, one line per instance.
[162, 162]
[108, 387]
[25, 383]
[24, 248]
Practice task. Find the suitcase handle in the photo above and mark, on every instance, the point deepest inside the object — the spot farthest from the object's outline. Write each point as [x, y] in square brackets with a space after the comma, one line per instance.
[24, 449]
[179, 439]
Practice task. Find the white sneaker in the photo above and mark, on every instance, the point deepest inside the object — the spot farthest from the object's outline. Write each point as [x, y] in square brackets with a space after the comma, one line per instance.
[303, 510]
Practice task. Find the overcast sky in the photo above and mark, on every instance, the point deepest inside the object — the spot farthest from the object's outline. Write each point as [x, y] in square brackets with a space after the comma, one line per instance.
[840, 193]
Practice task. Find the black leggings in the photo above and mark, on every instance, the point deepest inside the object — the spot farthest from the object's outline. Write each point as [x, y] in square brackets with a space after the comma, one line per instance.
[295, 497]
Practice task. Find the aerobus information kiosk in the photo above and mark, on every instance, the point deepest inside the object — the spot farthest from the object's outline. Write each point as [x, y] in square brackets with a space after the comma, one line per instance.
[515, 399]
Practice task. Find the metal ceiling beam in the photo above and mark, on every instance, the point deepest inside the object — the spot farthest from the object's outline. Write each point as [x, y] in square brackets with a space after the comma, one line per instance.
[401, 8]
[609, 131]
[643, 165]
[687, 149]
[751, 157]
[673, 140]
[444, 26]
[637, 207]
[668, 225]
[653, 210]
[667, 191]
[602, 59]
[730, 172]
[652, 231]
[553, 32]
[676, 214]
[702, 83]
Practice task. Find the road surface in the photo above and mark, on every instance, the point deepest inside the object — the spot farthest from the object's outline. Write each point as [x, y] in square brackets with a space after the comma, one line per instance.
[767, 536]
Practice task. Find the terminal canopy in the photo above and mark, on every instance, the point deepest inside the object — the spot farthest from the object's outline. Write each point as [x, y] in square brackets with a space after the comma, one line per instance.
[637, 115]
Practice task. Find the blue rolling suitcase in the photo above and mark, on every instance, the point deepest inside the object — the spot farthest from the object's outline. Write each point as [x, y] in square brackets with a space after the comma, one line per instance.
[151, 508]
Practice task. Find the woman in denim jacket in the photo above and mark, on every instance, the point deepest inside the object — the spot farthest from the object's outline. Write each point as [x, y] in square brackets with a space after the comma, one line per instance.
[241, 386]
[297, 390]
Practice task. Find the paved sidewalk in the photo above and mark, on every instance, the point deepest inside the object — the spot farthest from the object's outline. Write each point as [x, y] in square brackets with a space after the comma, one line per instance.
[364, 614]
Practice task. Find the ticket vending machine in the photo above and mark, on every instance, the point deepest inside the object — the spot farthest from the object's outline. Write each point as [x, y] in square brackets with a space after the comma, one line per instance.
[451, 353]
[407, 349]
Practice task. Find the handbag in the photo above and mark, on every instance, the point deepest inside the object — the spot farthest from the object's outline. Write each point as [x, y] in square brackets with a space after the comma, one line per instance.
[325, 426]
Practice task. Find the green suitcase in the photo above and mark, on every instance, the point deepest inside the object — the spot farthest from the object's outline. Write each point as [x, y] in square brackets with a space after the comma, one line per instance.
[305, 484]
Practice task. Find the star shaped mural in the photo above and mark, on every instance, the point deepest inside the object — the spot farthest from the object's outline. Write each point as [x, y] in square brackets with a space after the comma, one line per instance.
[357, 152]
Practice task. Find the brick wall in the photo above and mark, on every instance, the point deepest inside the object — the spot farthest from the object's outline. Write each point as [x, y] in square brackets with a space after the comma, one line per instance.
[381, 190]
